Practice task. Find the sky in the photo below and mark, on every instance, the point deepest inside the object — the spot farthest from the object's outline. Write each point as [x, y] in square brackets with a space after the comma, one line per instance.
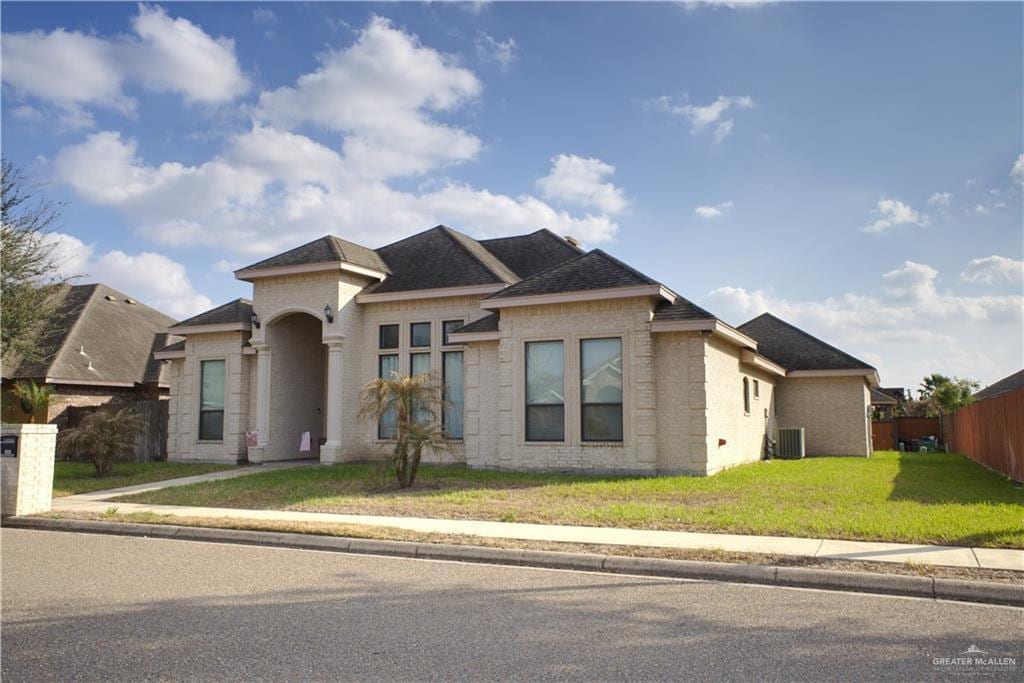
[854, 168]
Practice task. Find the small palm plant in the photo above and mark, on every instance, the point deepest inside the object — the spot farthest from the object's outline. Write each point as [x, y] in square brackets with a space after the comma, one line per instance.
[32, 398]
[105, 436]
[415, 405]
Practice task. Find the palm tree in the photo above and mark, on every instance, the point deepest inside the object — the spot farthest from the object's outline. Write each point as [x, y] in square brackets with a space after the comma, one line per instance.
[32, 397]
[415, 405]
[105, 436]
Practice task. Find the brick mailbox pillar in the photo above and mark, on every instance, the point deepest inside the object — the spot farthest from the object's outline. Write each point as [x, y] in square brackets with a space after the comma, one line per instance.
[26, 479]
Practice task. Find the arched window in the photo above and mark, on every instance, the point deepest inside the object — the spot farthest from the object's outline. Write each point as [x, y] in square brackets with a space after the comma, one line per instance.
[746, 395]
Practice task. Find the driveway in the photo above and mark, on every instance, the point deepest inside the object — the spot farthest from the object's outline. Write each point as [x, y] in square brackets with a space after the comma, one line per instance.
[116, 608]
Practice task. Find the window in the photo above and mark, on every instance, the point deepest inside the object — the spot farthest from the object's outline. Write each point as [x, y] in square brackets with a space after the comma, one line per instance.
[757, 389]
[388, 337]
[746, 395]
[387, 428]
[419, 363]
[451, 411]
[545, 391]
[447, 327]
[419, 334]
[211, 400]
[601, 389]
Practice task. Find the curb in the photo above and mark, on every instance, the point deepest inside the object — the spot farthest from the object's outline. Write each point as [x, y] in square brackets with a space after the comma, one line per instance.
[792, 577]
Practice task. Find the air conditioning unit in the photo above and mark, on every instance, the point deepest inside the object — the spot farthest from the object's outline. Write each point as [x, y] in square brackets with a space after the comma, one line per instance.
[791, 444]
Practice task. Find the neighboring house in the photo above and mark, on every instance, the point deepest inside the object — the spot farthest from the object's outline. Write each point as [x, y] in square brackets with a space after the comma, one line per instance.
[884, 404]
[1003, 386]
[551, 357]
[100, 349]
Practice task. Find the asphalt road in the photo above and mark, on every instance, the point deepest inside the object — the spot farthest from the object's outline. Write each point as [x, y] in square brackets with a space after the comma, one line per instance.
[89, 607]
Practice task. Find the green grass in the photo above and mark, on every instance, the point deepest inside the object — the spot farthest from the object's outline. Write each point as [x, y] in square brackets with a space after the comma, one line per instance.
[70, 478]
[913, 497]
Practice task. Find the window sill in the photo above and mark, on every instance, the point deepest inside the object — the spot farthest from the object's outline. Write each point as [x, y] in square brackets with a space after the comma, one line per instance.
[211, 441]
[602, 444]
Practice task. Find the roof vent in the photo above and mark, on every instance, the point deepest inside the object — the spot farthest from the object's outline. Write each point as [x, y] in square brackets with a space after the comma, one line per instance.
[130, 301]
[91, 367]
[572, 240]
[81, 349]
[110, 297]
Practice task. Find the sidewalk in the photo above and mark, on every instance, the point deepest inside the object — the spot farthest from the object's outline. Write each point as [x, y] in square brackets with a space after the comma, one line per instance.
[951, 556]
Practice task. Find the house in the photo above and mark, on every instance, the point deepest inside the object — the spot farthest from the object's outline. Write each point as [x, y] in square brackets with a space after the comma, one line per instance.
[99, 350]
[1007, 384]
[552, 358]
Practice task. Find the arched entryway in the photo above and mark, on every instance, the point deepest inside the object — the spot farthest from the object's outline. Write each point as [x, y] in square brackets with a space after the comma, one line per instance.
[298, 380]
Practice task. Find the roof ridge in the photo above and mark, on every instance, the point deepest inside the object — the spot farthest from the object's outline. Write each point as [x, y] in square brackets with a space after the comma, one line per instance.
[810, 336]
[455, 236]
[332, 241]
[546, 270]
[628, 267]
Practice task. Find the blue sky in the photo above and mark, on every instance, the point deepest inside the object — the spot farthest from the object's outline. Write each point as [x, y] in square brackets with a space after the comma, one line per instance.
[850, 167]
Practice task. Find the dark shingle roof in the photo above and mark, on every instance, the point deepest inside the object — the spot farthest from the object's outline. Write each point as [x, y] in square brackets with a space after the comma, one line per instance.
[529, 254]
[680, 309]
[327, 249]
[1006, 384]
[176, 346]
[794, 349]
[237, 311]
[437, 258]
[97, 325]
[879, 398]
[488, 323]
[592, 270]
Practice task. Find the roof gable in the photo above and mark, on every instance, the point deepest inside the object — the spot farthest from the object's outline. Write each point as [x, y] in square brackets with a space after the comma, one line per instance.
[528, 255]
[327, 249]
[238, 311]
[592, 270]
[794, 349]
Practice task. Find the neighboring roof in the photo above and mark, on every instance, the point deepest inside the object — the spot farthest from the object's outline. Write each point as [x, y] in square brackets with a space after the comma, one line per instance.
[880, 398]
[1006, 384]
[898, 393]
[102, 335]
[590, 271]
[794, 349]
[176, 346]
[237, 311]
[680, 309]
[439, 258]
[488, 323]
[327, 249]
[530, 254]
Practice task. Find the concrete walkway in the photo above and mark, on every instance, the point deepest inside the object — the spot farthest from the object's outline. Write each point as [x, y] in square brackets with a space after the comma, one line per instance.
[952, 556]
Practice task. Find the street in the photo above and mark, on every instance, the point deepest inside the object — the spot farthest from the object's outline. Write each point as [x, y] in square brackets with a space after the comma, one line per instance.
[91, 607]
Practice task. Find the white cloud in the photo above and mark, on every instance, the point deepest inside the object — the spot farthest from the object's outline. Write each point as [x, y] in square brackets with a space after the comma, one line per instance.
[502, 52]
[993, 270]
[583, 181]
[700, 117]
[72, 71]
[152, 278]
[941, 199]
[264, 16]
[892, 212]
[907, 329]
[1017, 172]
[979, 208]
[380, 93]
[716, 211]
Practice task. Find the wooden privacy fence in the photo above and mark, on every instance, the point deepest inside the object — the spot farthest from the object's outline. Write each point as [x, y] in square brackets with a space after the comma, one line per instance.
[151, 445]
[886, 434]
[991, 432]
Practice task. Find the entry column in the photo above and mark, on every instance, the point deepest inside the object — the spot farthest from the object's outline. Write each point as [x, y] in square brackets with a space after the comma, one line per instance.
[257, 453]
[330, 452]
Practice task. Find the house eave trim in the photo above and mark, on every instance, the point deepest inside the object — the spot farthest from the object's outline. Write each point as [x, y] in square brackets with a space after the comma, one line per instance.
[435, 293]
[168, 355]
[758, 361]
[585, 295]
[465, 337]
[716, 327]
[88, 382]
[277, 271]
[210, 329]
[870, 375]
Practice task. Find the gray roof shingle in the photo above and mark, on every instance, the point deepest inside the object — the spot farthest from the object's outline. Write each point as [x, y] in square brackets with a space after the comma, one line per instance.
[237, 311]
[488, 323]
[794, 349]
[530, 254]
[104, 328]
[680, 309]
[1006, 384]
[589, 271]
[327, 249]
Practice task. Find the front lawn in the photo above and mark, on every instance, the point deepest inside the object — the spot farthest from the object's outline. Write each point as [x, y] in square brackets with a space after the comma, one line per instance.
[905, 497]
[70, 478]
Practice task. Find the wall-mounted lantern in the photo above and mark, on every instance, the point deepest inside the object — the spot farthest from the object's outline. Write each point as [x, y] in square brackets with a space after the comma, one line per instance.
[255, 320]
[327, 314]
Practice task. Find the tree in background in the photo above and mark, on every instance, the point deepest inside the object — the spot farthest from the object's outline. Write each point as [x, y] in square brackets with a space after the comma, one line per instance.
[29, 269]
[32, 398]
[941, 394]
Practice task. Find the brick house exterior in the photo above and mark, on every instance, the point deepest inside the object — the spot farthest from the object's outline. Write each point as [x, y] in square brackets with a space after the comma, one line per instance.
[553, 358]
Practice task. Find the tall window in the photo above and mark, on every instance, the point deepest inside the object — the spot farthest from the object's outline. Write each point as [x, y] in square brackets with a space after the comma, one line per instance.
[451, 411]
[746, 395]
[211, 400]
[419, 363]
[757, 389]
[387, 428]
[601, 389]
[419, 334]
[545, 391]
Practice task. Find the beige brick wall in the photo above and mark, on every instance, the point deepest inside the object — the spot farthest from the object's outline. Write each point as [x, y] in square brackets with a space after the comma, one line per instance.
[832, 410]
[183, 412]
[743, 432]
[681, 381]
[625, 318]
[481, 403]
[26, 482]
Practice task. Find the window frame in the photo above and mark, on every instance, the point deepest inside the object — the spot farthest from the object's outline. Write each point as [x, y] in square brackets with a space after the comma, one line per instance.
[445, 407]
[526, 392]
[380, 337]
[398, 361]
[622, 390]
[757, 390]
[444, 335]
[224, 391]
[746, 396]
[412, 336]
